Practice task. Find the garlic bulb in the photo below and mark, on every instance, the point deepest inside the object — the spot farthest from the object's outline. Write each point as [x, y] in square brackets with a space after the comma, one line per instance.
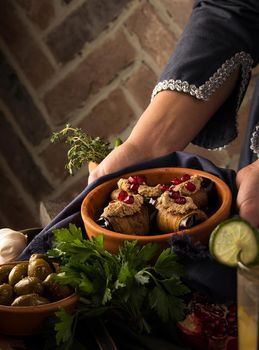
[12, 244]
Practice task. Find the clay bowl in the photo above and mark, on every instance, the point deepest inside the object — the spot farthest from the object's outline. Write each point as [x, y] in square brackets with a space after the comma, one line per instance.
[97, 199]
[30, 320]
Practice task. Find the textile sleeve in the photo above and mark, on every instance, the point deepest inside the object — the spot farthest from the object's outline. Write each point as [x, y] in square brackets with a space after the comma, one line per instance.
[220, 37]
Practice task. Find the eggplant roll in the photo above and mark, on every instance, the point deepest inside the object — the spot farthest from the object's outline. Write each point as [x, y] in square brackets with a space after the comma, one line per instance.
[136, 224]
[168, 222]
[200, 198]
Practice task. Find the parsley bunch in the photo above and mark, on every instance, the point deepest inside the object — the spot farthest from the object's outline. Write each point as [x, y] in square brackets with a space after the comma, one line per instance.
[137, 284]
[83, 148]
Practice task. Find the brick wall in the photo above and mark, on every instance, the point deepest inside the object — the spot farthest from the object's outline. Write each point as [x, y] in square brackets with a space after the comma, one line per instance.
[91, 63]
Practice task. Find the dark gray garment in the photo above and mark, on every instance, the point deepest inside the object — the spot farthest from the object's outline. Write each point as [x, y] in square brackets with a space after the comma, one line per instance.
[219, 37]
[247, 155]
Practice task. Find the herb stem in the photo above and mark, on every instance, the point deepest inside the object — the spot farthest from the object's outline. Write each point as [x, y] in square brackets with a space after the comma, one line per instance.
[83, 148]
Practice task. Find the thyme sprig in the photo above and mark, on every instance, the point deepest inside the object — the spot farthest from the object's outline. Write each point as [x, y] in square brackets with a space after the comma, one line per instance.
[83, 147]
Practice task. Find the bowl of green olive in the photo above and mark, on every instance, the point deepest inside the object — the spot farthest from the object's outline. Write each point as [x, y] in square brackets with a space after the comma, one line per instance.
[30, 294]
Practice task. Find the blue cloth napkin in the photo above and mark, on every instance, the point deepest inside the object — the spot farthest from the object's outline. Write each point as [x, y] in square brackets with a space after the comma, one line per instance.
[202, 272]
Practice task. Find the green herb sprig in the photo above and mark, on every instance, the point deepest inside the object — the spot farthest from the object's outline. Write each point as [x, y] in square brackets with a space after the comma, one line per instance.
[83, 148]
[137, 284]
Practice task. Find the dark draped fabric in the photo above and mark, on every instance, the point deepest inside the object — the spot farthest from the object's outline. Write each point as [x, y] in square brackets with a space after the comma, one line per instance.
[216, 33]
[203, 273]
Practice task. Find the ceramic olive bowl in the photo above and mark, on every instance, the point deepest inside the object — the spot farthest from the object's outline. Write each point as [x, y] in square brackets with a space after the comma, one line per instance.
[30, 320]
[95, 201]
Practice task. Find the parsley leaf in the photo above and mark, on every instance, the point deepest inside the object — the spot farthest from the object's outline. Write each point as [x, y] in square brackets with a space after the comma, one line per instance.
[136, 283]
[166, 264]
[63, 327]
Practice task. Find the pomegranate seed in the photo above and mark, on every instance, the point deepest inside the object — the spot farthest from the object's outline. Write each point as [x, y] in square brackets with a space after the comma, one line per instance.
[134, 187]
[132, 180]
[180, 200]
[129, 200]
[185, 177]
[175, 181]
[190, 186]
[164, 188]
[122, 195]
[140, 180]
[216, 323]
[175, 194]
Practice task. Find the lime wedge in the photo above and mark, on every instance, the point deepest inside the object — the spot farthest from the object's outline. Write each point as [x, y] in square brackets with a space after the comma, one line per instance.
[233, 237]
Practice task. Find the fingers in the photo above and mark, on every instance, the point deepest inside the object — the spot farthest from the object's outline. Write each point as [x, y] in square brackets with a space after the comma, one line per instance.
[248, 193]
[121, 157]
[93, 175]
[249, 211]
[108, 165]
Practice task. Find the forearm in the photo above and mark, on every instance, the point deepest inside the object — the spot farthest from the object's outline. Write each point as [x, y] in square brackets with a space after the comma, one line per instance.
[216, 45]
[173, 119]
[220, 37]
[168, 124]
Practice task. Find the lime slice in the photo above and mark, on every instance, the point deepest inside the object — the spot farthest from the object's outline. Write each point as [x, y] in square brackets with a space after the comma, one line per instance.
[233, 237]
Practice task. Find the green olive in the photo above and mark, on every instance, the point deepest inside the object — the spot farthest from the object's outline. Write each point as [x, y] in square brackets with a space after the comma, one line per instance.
[39, 268]
[4, 273]
[17, 273]
[6, 294]
[44, 257]
[29, 285]
[29, 300]
[38, 256]
[55, 290]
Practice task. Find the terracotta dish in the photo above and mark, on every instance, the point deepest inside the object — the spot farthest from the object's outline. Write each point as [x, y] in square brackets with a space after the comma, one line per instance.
[29, 320]
[97, 199]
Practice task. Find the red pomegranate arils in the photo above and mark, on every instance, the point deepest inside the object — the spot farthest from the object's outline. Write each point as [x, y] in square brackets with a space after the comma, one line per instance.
[140, 180]
[122, 195]
[137, 179]
[134, 187]
[185, 177]
[129, 200]
[180, 200]
[175, 181]
[190, 186]
[175, 194]
[164, 188]
[132, 180]
[216, 324]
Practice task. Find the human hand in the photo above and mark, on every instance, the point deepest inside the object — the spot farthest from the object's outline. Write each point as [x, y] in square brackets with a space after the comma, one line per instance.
[248, 193]
[121, 157]
[168, 124]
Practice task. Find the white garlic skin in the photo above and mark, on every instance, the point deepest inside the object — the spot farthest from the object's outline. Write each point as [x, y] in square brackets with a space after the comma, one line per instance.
[12, 243]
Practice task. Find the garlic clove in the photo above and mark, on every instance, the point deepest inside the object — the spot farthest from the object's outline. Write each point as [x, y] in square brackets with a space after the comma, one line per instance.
[12, 243]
